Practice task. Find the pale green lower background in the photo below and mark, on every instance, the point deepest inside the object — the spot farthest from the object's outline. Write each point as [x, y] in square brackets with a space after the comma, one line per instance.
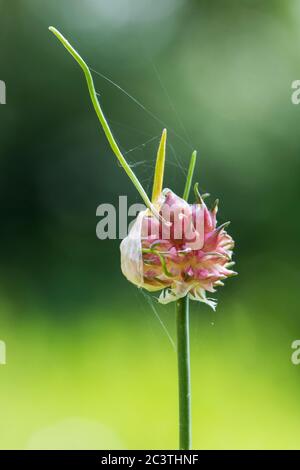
[111, 383]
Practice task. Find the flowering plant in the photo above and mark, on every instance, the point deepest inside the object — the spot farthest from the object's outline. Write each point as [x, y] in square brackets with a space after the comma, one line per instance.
[173, 247]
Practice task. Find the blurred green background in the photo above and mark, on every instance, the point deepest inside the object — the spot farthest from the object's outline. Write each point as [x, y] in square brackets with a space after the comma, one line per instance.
[88, 363]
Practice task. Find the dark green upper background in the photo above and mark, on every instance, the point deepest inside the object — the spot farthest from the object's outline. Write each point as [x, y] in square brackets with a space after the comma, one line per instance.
[216, 73]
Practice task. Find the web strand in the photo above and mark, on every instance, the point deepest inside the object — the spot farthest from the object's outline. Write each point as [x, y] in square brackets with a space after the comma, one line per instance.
[140, 105]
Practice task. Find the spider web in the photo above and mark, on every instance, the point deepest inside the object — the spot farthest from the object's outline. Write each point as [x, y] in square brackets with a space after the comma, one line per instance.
[186, 140]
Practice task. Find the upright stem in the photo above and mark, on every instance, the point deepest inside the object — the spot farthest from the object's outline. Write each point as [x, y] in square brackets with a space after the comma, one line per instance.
[159, 168]
[190, 174]
[183, 347]
[184, 380]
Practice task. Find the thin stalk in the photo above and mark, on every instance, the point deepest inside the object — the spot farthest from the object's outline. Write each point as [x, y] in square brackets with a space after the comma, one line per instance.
[159, 167]
[112, 142]
[190, 174]
[184, 374]
[183, 348]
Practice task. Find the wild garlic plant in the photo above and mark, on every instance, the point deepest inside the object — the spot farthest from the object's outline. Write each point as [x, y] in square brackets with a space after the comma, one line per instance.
[173, 247]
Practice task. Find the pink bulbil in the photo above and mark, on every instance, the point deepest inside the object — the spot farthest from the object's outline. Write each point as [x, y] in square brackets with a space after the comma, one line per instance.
[185, 253]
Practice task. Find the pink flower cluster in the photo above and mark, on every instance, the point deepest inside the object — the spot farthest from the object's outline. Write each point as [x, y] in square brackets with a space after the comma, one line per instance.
[183, 253]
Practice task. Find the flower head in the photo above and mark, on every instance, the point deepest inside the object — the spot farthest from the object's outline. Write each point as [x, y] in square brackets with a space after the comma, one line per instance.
[183, 252]
[172, 246]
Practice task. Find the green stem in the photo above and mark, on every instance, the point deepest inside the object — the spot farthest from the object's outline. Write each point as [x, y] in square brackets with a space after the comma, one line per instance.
[189, 178]
[183, 348]
[159, 168]
[184, 380]
[112, 142]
